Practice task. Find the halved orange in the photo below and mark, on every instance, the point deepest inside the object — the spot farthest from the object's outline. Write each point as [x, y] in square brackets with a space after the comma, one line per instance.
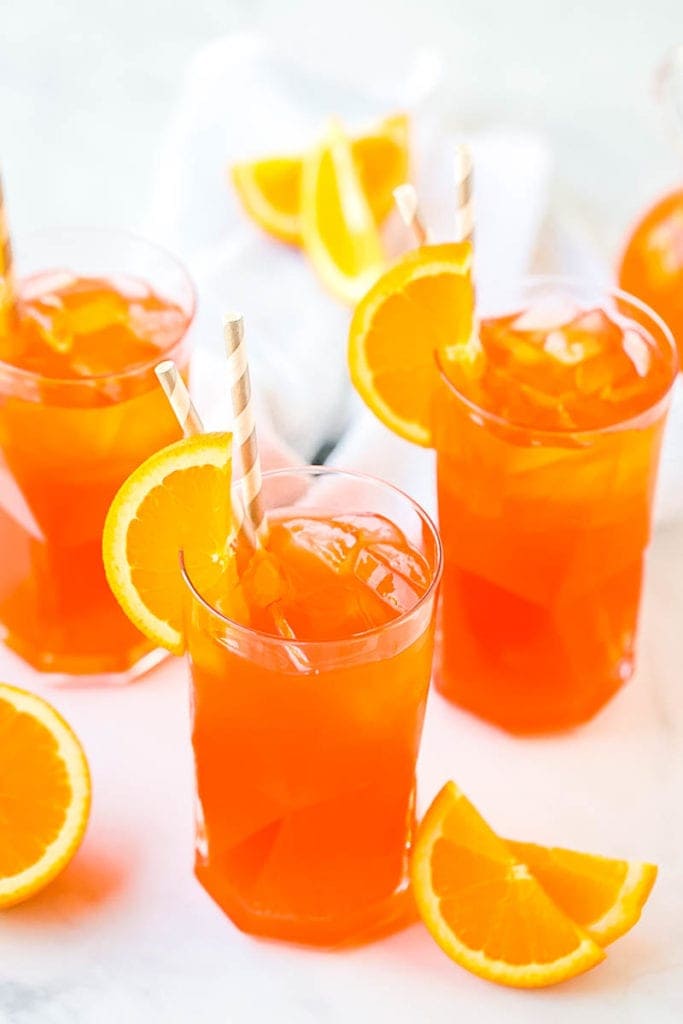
[651, 265]
[178, 500]
[484, 907]
[602, 894]
[338, 228]
[423, 304]
[270, 188]
[44, 794]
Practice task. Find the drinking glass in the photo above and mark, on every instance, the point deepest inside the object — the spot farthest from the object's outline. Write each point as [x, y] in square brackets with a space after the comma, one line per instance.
[305, 751]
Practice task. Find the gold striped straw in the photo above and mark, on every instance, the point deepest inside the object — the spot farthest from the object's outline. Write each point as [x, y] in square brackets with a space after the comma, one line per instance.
[244, 435]
[176, 391]
[464, 194]
[178, 395]
[6, 266]
[464, 227]
[405, 197]
[244, 426]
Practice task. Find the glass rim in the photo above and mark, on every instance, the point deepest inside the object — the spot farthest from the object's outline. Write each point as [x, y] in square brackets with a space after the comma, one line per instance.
[368, 634]
[8, 371]
[568, 282]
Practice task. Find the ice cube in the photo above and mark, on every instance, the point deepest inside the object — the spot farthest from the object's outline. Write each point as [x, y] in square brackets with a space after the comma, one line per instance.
[595, 375]
[132, 288]
[560, 347]
[329, 541]
[42, 286]
[594, 321]
[379, 567]
[637, 350]
[407, 563]
[370, 526]
[51, 323]
[161, 326]
[546, 313]
[105, 310]
[263, 580]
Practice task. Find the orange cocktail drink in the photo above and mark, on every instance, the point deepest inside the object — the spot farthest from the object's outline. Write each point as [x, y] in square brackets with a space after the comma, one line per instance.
[547, 446]
[305, 748]
[79, 410]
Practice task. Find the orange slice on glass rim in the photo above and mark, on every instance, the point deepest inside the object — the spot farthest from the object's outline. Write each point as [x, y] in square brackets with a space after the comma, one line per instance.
[178, 500]
[270, 188]
[423, 304]
[44, 794]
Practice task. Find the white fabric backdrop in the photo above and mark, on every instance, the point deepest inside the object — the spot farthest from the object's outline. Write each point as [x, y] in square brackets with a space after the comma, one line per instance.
[241, 97]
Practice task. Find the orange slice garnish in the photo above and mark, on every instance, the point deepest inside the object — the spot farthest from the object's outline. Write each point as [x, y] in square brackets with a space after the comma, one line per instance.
[178, 500]
[270, 189]
[44, 794]
[423, 304]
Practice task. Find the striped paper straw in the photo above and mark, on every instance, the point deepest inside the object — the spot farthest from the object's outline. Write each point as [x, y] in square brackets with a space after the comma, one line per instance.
[176, 391]
[464, 194]
[178, 396]
[244, 435]
[244, 426]
[464, 227]
[407, 204]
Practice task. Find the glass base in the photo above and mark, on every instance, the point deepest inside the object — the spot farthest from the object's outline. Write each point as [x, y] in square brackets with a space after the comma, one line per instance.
[527, 718]
[356, 928]
[89, 670]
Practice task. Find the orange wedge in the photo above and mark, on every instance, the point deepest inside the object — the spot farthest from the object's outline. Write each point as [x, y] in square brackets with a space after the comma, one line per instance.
[270, 189]
[603, 895]
[338, 228]
[484, 907]
[178, 500]
[44, 794]
[423, 304]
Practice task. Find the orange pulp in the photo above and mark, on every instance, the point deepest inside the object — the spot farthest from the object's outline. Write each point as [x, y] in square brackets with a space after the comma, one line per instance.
[305, 754]
[547, 458]
[79, 410]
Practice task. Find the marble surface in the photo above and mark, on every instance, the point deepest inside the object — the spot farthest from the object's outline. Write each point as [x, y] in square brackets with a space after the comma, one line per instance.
[126, 934]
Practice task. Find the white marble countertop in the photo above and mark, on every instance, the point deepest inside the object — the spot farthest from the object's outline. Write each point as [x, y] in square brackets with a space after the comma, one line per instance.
[127, 934]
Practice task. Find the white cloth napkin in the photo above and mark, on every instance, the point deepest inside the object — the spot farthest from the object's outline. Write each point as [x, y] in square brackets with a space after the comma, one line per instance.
[241, 97]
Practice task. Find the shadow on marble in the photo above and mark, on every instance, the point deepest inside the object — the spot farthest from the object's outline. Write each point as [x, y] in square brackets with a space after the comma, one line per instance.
[94, 878]
[633, 964]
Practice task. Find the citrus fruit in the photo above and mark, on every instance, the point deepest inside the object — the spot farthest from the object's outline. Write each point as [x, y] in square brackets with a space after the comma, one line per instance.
[338, 228]
[270, 188]
[422, 305]
[603, 895]
[382, 159]
[652, 262]
[178, 500]
[484, 907]
[44, 794]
